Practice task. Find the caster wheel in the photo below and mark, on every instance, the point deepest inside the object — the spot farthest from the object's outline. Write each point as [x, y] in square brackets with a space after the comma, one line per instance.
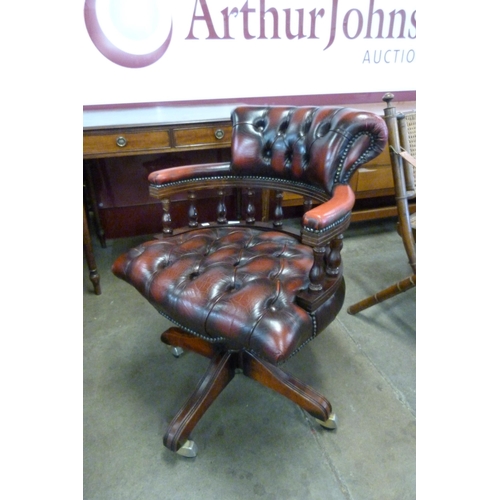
[188, 449]
[177, 351]
[329, 424]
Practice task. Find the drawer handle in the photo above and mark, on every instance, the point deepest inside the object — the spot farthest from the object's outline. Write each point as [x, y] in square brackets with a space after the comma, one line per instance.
[219, 134]
[121, 142]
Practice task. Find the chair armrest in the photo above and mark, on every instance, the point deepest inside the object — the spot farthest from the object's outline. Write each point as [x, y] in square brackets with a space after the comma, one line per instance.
[332, 213]
[176, 174]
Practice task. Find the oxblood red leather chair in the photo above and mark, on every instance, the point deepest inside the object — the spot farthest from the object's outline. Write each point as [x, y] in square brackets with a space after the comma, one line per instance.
[249, 295]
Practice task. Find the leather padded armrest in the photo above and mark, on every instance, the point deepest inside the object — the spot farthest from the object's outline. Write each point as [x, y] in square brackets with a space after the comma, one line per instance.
[175, 174]
[327, 214]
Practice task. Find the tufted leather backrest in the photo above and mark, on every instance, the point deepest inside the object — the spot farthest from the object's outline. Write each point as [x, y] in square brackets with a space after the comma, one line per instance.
[321, 146]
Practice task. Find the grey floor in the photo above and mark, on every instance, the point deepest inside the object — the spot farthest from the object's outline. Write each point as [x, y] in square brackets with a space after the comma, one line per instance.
[253, 443]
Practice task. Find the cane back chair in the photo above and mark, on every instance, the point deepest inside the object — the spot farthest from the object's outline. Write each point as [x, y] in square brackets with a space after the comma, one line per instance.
[402, 128]
[248, 295]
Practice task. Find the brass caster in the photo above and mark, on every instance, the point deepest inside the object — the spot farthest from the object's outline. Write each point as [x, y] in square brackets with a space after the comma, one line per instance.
[329, 424]
[176, 351]
[188, 449]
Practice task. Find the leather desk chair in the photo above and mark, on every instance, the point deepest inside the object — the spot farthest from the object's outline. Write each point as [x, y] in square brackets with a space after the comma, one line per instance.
[249, 295]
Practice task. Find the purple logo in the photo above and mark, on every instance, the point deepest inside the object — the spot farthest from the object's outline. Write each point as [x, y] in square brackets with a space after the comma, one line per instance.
[129, 33]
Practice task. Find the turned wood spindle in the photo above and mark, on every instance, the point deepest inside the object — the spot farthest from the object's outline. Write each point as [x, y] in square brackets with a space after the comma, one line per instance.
[193, 212]
[317, 272]
[250, 219]
[333, 259]
[221, 208]
[278, 210]
[166, 217]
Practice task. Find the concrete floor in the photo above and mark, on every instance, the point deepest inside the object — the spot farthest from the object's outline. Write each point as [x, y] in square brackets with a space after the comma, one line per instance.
[253, 443]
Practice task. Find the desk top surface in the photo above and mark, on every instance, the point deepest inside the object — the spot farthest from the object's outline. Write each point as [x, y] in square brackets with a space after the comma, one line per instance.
[172, 115]
[157, 115]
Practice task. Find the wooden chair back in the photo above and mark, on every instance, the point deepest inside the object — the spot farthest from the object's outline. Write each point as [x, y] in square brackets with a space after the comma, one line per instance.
[402, 147]
[402, 140]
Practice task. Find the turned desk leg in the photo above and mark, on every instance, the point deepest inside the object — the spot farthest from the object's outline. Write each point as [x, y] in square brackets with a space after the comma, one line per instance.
[89, 256]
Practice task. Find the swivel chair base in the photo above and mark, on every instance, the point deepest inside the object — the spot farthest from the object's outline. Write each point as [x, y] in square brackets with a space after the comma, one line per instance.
[222, 368]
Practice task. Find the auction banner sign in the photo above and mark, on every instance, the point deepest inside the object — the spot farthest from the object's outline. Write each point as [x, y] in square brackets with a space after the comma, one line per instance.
[166, 51]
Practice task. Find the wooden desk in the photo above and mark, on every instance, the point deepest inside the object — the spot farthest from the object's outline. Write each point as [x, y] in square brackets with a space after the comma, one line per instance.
[124, 145]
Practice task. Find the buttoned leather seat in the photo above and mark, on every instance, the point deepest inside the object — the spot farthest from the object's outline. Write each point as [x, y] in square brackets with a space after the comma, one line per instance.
[249, 295]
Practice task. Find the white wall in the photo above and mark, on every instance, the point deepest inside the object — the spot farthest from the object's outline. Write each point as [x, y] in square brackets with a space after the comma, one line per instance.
[231, 49]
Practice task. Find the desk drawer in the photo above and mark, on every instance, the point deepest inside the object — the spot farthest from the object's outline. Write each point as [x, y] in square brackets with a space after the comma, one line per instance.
[215, 135]
[126, 142]
[374, 178]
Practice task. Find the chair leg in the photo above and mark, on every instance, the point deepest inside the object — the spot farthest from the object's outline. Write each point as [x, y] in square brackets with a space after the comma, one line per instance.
[219, 373]
[89, 256]
[276, 379]
[388, 293]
